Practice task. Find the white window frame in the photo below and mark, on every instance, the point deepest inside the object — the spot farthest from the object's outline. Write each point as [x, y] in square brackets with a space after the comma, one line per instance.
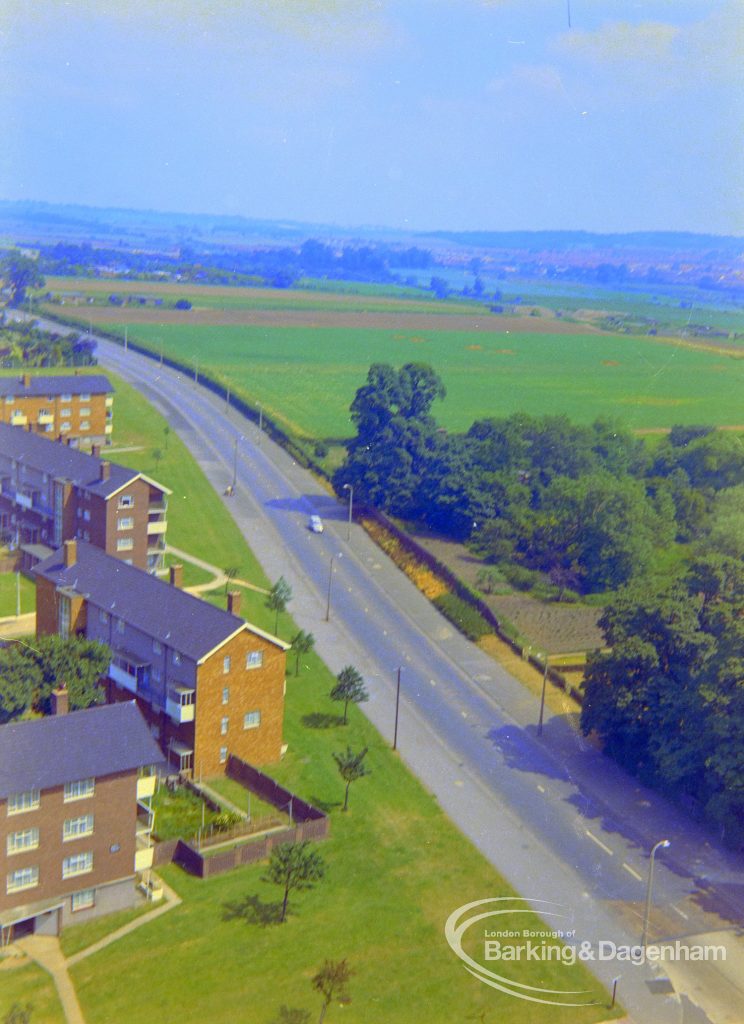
[22, 878]
[126, 501]
[225, 694]
[19, 803]
[124, 543]
[226, 662]
[21, 841]
[224, 725]
[223, 755]
[83, 900]
[76, 828]
[79, 789]
[252, 720]
[254, 659]
[77, 864]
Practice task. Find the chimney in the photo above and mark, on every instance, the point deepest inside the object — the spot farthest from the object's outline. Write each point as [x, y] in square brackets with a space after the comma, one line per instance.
[105, 470]
[233, 602]
[70, 547]
[176, 576]
[26, 380]
[60, 700]
[95, 451]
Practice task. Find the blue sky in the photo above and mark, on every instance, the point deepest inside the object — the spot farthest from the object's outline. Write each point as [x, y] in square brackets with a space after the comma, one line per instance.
[476, 114]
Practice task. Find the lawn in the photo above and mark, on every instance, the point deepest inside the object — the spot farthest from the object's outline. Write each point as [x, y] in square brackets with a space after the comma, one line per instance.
[8, 595]
[30, 985]
[396, 866]
[643, 382]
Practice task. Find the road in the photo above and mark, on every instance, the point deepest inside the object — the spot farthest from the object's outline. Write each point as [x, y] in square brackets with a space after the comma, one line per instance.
[558, 820]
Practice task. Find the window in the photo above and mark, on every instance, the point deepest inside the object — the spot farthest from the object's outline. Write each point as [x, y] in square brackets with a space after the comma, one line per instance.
[103, 617]
[23, 878]
[63, 617]
[225, 665]
[126, 501]
[84, 397]
[9, 399]
[254, 659]
[65, 415]
[77, 864]
[176, 658]
[120, 625]
[84, 412]
[223, 755]
[86, 515]
[64, 428]
[65, 398]
[225, 694]
[252, 720]
[224, 726]
[17, 842]
[76, 827]
[155, 674]
[157, 647]
[124, 543]
[85, 424]
[83, 900]
[20, 802]
[79, 790]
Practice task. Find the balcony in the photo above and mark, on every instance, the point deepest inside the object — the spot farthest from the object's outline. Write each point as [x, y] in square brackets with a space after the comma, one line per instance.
[143, 858]
[109, 401]
[128, 672]
[179, 704]
[18, 419]
[24, 500]
[108, 428]
[156, 526]
[44, 418]
[146, 786]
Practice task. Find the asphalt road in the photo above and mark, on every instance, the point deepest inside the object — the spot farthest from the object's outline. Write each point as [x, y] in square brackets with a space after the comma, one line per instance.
[559, 821]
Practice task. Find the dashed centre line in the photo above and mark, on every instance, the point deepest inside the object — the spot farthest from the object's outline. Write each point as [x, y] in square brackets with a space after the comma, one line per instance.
[680, 912]
[598, 842]
[632, 871]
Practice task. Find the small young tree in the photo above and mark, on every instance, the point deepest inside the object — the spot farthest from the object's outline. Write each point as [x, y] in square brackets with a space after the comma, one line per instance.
[166, 433]
[331, 981]
[291, 1015]
[294, 866]
[157, 454]
[351, 767]
[350, 689]
[230, 571]
[278, 598]
[302, 643]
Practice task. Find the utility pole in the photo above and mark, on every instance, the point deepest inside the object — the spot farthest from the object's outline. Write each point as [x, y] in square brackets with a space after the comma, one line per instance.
[542, 698]
[18, 595]
[350, 489]
[328, 598]
[397, 708]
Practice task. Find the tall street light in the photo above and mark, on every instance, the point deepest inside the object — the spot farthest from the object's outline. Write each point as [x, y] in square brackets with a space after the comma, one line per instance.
[330, 581]
[661, 845]
[542, 698]
[350, 489]
[397, 708]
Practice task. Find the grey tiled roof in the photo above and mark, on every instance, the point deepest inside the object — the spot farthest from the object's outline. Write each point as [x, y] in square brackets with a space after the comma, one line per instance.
[63, 384]
[58, 460]
[81, 745]
[178, 620]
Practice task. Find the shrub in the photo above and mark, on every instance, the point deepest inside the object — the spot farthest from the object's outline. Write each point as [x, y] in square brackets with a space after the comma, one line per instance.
[519, 577]
[226, 820]
[467, 619]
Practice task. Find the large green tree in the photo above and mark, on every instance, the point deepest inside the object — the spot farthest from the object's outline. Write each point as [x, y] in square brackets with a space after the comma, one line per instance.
[19, 273]
[29, 673]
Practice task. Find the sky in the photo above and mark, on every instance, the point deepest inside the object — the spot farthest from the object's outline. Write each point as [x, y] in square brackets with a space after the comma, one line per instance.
[597, 115]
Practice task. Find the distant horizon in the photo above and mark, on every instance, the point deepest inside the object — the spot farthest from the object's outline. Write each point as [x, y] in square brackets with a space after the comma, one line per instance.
[358, 227]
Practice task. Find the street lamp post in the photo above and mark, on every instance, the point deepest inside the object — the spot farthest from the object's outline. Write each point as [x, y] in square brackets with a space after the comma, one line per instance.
[397, 707]
[661, 845]
[235, 465]
[328, 596]
[350, 489]
[542, 699]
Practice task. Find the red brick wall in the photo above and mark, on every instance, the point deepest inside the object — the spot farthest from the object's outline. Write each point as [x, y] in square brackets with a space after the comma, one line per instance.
[114, 808]
[260, 689]
[47, 610]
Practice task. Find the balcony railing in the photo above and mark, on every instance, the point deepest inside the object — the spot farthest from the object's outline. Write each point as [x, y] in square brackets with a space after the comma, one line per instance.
[157, 526]
[179, 704]
[45, 417]
[18, 419]
[146, 786]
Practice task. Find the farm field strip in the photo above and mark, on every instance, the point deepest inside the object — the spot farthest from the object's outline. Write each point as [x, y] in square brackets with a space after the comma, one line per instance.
[636, 380]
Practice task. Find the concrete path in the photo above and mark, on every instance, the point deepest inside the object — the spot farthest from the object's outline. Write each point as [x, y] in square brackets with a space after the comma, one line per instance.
[46, 951]
[220, 799]
[22, 625]
[220, 579]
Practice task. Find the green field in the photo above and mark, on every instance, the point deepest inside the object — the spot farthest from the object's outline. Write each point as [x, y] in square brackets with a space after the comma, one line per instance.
[306, 378]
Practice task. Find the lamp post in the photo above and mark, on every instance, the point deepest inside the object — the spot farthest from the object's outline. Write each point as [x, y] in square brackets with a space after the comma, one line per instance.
[397, 707]
[350, 489]
[235, 463]
[542, 699]
[661, 845]
[260, 422]
[328, 596]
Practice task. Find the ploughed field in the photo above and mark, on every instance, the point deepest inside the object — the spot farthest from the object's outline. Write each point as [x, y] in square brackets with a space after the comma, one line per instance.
[303, 354]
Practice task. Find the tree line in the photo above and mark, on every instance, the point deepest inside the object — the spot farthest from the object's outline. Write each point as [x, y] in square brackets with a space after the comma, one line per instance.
[591, 509]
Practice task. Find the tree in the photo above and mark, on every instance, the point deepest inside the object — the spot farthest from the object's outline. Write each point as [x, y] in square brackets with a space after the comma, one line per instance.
[351, 767]
[19, 273]
[331, 981]
[278, 598]
[230, 571]
[157, 454]
[166, 432]
[349, 688]
[302, 643]
[294, 867]
[18, 1014]
[20, 681]
[291, 1015]
[29, 674]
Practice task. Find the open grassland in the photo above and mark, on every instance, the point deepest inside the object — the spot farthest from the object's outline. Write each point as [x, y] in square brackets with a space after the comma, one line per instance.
[30, 984]
[396, 866]
[305, 378]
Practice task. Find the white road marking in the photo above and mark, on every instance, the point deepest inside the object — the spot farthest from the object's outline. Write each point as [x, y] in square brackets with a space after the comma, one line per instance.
[541, 788]
[632, 871]
[598, 842]
[464, 714]
[680, 912]
[431, 681]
